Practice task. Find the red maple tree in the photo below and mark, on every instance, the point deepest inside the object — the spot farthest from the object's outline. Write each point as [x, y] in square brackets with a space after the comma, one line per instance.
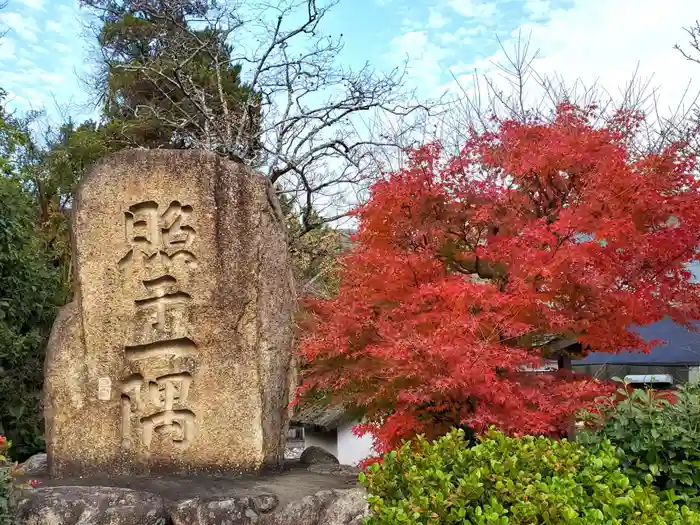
[462, 264]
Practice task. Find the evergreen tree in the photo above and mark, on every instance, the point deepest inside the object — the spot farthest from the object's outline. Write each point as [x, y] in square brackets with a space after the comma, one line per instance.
[164, 81]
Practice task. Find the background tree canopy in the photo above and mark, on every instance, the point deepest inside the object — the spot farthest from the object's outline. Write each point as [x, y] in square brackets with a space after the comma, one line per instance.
[31, 289]
[161, 76]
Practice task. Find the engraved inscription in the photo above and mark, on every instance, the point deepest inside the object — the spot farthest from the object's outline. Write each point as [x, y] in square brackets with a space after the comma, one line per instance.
[163, 399]
[160, 244]
[183, 347]
[163, 314]
[159, 262]
[175, 228]
[104, 389]
[149, 231]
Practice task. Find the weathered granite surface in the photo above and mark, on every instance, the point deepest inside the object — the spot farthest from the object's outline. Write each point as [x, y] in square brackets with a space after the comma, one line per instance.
[90, 506]
[175, 354]
[37, 464]
[293, 497]
[316, 455]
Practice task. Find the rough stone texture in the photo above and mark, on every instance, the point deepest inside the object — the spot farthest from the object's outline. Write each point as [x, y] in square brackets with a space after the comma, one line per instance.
[293, 450]
[35, 465]
[236, 511]
[335, 470]
[292, 484]
[175, 354]
[328, 507]
[96, 505]
[316, 455]
[89, 506]
[348, 508]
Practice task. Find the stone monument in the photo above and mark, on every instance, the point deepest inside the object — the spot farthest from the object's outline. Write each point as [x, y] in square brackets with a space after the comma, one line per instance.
[174, 355]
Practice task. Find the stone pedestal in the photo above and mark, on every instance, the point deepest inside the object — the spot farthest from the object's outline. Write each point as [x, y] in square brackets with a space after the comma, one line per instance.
[293, 497]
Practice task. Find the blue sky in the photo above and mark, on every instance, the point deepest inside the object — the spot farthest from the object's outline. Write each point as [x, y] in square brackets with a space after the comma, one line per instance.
[601, 40]
[593, 40]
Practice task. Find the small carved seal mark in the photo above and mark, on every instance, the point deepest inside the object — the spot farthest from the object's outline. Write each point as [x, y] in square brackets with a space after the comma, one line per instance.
[104, 389]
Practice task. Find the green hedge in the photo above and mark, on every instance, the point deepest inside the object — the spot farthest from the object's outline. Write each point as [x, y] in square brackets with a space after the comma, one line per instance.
[659, 439]
[512, 481]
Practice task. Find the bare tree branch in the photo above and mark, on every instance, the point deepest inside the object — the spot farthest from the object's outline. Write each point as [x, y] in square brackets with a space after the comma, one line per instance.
[519, 92]
[316, 129]
[694, 43]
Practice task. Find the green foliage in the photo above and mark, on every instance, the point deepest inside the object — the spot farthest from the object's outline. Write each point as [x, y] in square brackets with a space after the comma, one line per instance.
[71, 150]
[511, 481]
[314, 248]
[11, 137]
[69, 153]
[6, 472]
[30, 291]
[162, 80]
[658, 434]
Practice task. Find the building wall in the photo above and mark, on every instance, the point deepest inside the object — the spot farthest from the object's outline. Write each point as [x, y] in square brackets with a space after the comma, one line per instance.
[342, 443]
[681, 374]
[352, 449]
[328, 441]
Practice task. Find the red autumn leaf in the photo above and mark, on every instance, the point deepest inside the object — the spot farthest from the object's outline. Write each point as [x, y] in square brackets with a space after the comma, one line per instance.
[462, 264]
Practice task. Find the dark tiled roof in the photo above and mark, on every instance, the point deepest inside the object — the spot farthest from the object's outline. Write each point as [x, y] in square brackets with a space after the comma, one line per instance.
[680, 347]
[328, 417]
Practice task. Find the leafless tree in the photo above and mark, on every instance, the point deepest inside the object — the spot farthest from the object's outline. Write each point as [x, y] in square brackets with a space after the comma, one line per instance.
[519, 92]
[317, 129]
[3, 32]
[692, 54]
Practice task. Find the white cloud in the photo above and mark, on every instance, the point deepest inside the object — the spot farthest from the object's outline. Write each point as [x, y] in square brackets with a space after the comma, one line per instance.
[34, 4]
[425, 58]
[597, 41]
[67, 26]
[7, 49]
[32, 87]
[39, 49]
[24, 62]
[63, 48]
[436, 20]
[23, 26]
[537, 8]
[463, 35]
[53, 25]
[474, 8]
[408, 24]
[51, 79]
[27, 98]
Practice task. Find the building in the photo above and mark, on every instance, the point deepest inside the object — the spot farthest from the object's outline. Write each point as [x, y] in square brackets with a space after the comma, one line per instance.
[330, 428]
[676, 360]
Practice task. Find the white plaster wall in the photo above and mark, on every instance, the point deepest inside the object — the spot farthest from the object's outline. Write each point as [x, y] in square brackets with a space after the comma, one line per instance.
[328, 441]
[351, 449]
[694, 375]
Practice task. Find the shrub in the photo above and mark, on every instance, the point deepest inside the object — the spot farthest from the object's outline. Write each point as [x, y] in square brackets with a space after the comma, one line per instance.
[511, 481]
[658, 435]
[30, 291]
[6, 472]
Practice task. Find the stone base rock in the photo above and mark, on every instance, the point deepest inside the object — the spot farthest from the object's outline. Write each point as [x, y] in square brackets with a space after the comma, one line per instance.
[294, 497]
[336, 470]
[293, 450]
[328, 507]
[316, 455]
[236, 511]
[89, 506]
[35, 465]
